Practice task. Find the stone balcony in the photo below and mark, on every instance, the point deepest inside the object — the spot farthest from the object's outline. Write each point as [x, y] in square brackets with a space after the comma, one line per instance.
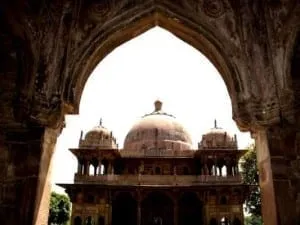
[156, 153]
[158, 180]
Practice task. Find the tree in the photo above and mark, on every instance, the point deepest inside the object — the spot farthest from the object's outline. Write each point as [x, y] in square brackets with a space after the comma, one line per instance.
[59, 212]
[253, 220]
[249, 173]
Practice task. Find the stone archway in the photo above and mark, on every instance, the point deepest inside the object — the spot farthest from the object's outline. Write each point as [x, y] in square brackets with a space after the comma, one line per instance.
[124, 210]
[190, 209]
[45, 61]
[157, 209]
[77, 220]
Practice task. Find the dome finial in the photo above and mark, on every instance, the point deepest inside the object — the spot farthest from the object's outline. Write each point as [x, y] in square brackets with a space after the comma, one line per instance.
[157, 105]
[100, 122]
[215, 123]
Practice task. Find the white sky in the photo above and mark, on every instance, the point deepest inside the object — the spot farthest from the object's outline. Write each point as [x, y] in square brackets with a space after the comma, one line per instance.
[125, 84]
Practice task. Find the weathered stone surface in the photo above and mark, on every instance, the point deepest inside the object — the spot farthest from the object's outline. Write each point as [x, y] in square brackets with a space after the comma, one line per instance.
[49, 48]
[279, 178]
[25, 184]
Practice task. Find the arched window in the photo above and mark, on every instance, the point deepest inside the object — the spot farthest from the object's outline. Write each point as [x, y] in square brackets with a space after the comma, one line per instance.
[224, 171]
[224, 221]
[77, 220]
[101, 168]
[236, 221]
[91, 170]
[101, 220]
[89, 221]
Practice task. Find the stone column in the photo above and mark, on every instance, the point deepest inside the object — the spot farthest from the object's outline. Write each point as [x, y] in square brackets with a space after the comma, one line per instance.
[95, 170]
[228, 168]
[276, 153]
[110, 169]
[86, 167]
[79, 168]
[206, 169]
[27, 176]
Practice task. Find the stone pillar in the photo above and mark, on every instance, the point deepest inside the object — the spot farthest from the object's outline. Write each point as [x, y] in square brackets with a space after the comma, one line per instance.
[109, 170]
[86, 167]
[276, 153]
[220, 171]
[27, 180]
[228, 167]
[79, 168]
[237, 167]
[228, 171]
[206, 169]
[235, 172]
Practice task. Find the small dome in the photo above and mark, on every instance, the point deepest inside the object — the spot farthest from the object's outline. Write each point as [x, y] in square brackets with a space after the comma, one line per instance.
[217, 137]
[158, 130]
[99, 137]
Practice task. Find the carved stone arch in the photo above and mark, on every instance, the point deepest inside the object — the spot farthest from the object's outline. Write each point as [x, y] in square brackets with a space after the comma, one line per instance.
[295, 70]
[288, 40]
[16, 48]
[104, 39]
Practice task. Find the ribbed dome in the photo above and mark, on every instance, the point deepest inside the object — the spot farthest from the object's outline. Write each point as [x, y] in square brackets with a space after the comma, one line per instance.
[217, 137]
[99, 137]
[157, 130]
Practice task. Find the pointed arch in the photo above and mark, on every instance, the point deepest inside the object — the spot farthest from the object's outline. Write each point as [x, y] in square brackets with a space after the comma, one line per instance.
[105, 41]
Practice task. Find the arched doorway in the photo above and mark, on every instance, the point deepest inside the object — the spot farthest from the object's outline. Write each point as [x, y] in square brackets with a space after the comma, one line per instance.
[225, 221]
[225, 22]
[157, 209]
[190, 210]
[213, 221]
[77, 220]
[124, 210]
[236, 221]
[89, 221]
[101, 220]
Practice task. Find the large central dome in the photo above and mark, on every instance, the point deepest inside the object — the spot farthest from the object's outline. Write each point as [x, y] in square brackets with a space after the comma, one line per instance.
[158, 130]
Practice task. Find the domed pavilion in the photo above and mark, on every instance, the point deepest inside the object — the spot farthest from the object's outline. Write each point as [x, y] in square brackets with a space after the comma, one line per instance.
[157, 178]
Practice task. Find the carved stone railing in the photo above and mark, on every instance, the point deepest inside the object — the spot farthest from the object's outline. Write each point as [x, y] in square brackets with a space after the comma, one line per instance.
[182, 180]
[156, 153]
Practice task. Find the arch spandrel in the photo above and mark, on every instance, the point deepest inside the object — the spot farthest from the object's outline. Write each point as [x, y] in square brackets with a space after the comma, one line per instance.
[222, 30]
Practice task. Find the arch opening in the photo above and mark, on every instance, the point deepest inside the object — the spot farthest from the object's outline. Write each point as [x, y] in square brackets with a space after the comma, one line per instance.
[200, 39]
[124, 209]
[157, 209]
[190, 210]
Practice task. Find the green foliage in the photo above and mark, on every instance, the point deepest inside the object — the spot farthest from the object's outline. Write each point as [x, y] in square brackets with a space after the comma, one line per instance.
[253, 220]
[59, 212]
[250, 176]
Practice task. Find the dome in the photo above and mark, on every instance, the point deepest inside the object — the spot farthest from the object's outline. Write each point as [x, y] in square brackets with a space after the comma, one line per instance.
[158, 130]
[99, 137]
[217, 137]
